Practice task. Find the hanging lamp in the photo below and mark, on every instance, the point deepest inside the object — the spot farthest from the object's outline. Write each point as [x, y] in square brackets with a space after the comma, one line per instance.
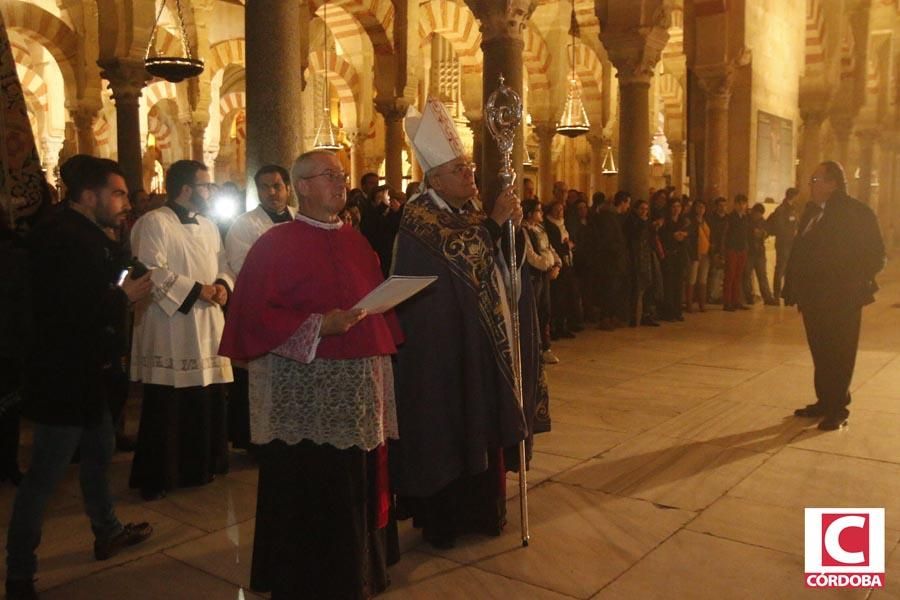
[326, 136]
[574, 121]
[172, 68]
[608, 166]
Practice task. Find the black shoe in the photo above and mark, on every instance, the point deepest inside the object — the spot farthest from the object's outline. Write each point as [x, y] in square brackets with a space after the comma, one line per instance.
[679, 318]
[833, 423]
[567, 335]
[742, 307]
[131, 534]
[810, 410]
[440, 541]
[150, 495]
[728, 308]
[649, 323]
[20, 589]
[576, 328]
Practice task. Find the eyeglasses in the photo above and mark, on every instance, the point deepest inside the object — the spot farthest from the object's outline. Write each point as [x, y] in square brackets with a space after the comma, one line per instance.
[463, 169]
[332, 176]
[209, 187]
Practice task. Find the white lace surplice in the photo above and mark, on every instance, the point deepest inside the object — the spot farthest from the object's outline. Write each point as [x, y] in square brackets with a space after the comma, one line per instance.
[339, 402]
[345, 403]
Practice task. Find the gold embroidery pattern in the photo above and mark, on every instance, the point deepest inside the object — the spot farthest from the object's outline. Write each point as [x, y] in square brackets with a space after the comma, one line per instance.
[467, 248]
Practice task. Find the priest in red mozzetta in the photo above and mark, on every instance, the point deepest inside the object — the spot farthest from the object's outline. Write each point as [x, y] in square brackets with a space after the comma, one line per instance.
[321, 397]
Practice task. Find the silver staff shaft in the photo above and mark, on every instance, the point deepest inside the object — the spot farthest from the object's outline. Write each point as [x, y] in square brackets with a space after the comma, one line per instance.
[515, 287]
[503, 116]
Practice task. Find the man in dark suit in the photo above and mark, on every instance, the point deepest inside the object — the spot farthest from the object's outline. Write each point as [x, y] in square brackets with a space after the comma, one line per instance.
[830, 277]
[72, 276]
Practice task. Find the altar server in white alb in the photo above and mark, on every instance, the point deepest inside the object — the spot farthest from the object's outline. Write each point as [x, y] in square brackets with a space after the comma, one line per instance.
[182, 438]
[274, 186]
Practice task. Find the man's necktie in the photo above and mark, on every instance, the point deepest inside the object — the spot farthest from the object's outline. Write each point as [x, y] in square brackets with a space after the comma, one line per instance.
[817, 216]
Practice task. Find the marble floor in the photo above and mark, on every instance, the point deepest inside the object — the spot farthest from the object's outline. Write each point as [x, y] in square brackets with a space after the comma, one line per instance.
[674, 471]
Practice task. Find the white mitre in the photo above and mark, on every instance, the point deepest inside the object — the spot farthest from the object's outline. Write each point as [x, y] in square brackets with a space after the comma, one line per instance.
[433, 135]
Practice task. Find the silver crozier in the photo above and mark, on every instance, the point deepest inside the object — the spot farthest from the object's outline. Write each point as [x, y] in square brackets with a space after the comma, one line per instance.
[503, 113]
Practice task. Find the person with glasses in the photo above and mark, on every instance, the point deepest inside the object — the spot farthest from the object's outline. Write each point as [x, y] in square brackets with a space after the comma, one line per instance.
[182, 439]
[321, 397]
[457, 407]
[830, 276]
[273, 186]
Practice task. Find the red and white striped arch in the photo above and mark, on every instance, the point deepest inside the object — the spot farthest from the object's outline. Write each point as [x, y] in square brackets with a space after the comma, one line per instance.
[227, 52]
[375, 17]
[48, 30]
[230, 102]
[345, 80]
[537, 60]
[159, 127]
[815, 38]
[672, 96]
[589, 71]
[31, 82]
[158, 90]
[455, 23]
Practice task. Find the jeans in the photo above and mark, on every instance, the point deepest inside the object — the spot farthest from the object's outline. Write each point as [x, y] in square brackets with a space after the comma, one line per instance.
[782, 254]
[756, 265]
[53, 449]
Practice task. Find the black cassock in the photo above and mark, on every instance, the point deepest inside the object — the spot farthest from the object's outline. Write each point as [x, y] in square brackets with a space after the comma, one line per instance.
[460, 423]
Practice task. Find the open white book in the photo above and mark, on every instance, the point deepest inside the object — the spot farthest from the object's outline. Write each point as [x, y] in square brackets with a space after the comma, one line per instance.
[394, 290]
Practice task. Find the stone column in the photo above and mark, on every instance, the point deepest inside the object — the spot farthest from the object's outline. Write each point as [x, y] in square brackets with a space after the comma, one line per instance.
[126, 79]
[84, 119]
[502, 42]
[274, 112]
[867, 139]
[596, 166]
[357, 141]
[634, 48]
[545, 132]
[810, 153]
[679, 153]
[716, 83]
[198, 131]
[393, 112]
[842, 126]
[585, 176]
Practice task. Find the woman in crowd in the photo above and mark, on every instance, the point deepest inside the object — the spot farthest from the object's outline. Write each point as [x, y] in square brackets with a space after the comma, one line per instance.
[698, 244]
[543, 267]
[673, 234]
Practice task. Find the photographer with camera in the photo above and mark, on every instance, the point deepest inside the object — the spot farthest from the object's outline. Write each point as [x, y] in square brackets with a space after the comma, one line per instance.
[74, 268]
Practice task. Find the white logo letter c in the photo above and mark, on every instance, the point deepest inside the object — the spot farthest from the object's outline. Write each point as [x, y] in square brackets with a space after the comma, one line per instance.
[833, 544]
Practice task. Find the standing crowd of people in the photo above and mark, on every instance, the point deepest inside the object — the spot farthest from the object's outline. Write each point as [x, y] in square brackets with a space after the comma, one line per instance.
[356, 419]
[618, 261]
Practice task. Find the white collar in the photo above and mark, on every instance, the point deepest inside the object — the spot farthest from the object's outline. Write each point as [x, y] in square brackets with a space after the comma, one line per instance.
[318, 224]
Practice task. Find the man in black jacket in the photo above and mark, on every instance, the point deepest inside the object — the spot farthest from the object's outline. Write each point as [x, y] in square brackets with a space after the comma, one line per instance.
[830, 277]
[782, 224]
[74, 268]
